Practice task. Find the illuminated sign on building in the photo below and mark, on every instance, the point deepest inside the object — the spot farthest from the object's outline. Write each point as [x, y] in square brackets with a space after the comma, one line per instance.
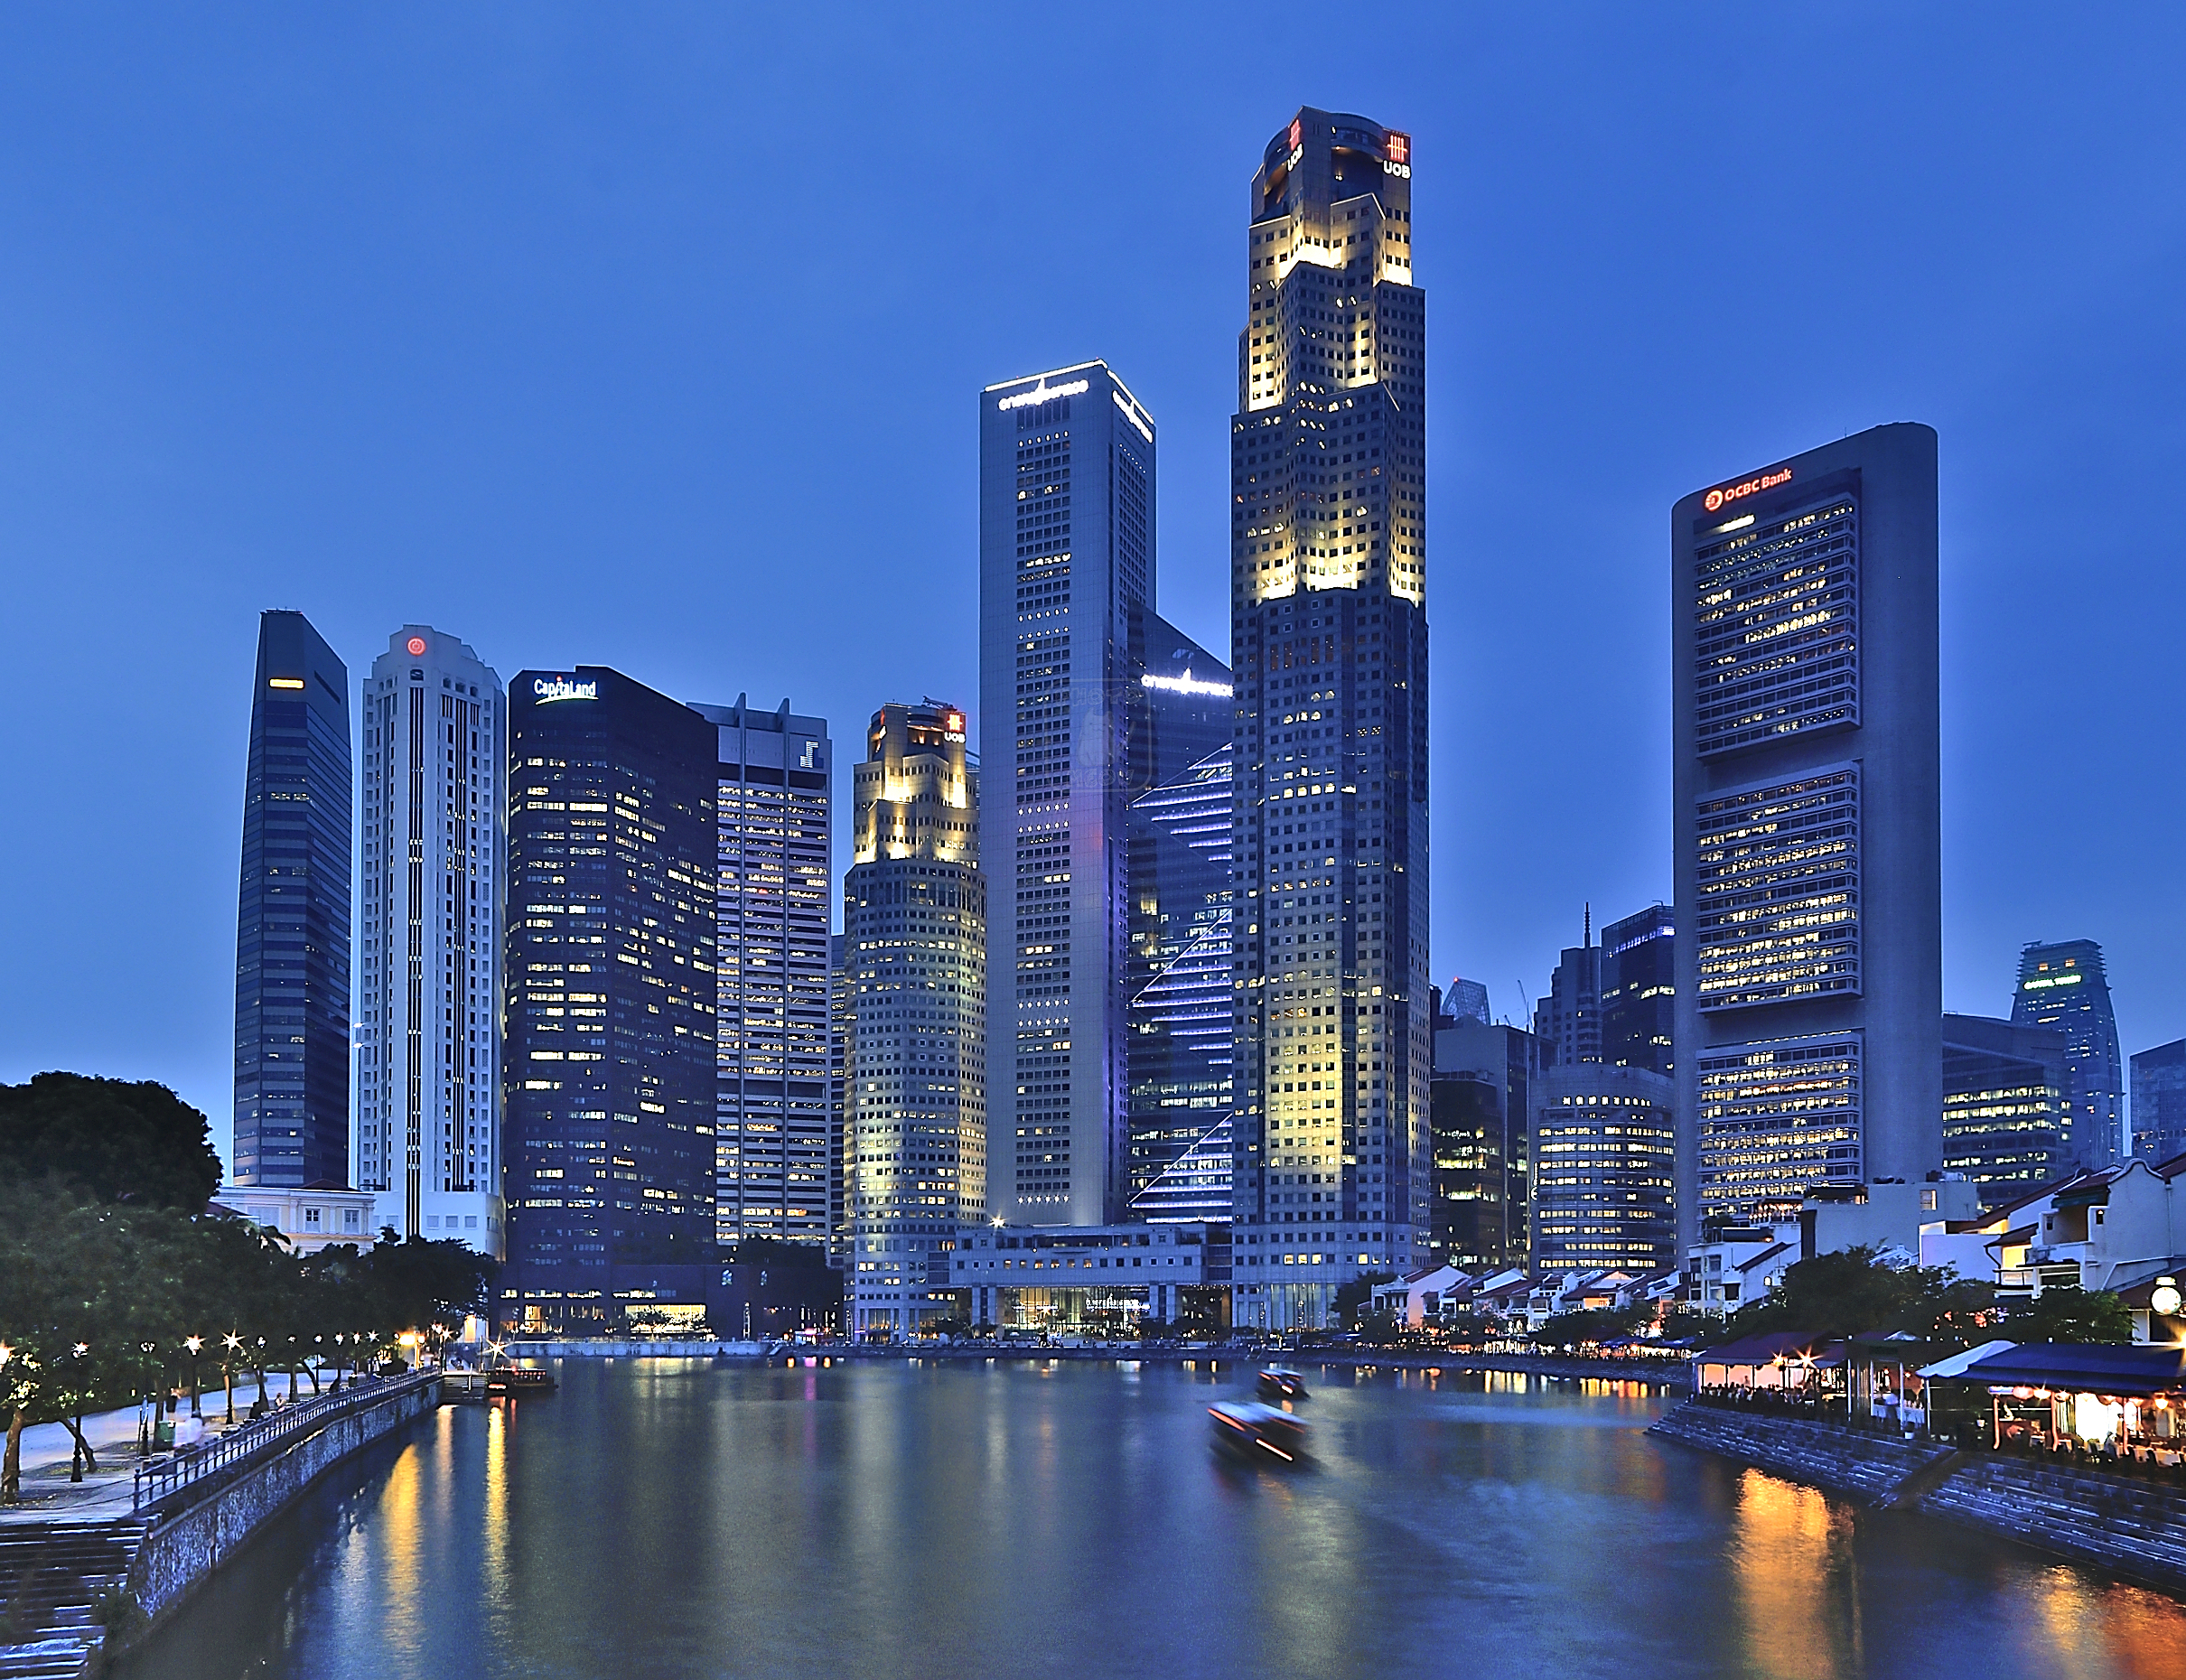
[1043, 392]
[1749, 487]
[1132, 413]
[1187, 685]
[552, 688]
[1398, 157]
[2042, 983]
[284, 682]
[417, 645]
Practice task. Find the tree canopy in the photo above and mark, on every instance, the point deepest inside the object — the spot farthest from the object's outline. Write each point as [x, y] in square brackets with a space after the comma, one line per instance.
[2067, 1312]
[1843, 1293]
[115, 1140]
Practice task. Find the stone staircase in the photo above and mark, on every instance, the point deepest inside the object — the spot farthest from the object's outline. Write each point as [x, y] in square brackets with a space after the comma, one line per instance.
[50, 1574]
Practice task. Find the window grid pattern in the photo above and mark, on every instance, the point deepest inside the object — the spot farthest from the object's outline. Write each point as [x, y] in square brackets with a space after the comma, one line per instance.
[1777, 892]
[1777, 652]
[1773, 1118]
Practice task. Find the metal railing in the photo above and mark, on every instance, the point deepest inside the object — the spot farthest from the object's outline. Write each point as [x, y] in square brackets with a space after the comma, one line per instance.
[161, 1479]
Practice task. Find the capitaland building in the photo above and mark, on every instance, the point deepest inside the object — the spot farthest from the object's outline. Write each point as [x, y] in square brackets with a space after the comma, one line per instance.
[773, 1129]
[610, 1057]
[1806, 832]
[914, 984]
[292, 1002]
[1178, 1043]
[1066, 576]
[429, 941]
[1329, 641]
[2063, 987]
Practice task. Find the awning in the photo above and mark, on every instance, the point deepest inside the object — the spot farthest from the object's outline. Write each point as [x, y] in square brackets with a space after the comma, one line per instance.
[1956, 1365]
[1791, 1346]
[2099, 1367]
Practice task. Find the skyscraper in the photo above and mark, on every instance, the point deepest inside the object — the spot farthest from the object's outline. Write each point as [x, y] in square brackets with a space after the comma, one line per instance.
[774, 1171]
[1604, 1167]
[2159, 1102]
[429, 926]
[914, 951]
[1638, 1001]
[1329, 640]
[2063, 986]
[1066, 573]
[1568, 1020]
[610, 1061]
[292, 1000]
[1178, 868]
[2004, 1119]
[1806, 834]
[1480, 1102]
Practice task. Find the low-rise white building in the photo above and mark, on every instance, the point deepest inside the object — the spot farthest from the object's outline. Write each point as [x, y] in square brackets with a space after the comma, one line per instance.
[318, 1216]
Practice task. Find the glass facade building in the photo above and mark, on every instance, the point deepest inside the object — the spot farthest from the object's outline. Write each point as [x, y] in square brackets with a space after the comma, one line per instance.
[1604, 1170]
[429, 929]
[292, 1004]
[2159, 1103]
[1067, 479]
[2064, 987]
[1808, 990]
[775, 1166]
[1639, 1000]
[1479, 1106]
[610, 1049]
[1328, 643]
[2003, 1106]
[914, 952]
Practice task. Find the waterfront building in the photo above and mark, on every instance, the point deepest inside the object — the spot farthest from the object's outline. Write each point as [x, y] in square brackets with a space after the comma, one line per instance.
[1105, 1279]
[774, 1170]
[292, 1000]
[611, 1007]
[306, 1217]
[1067, 477]
[429, 929]
[2003, 1106]
[1805, 828]
[1479, 1109]
[2064, 986]
[2159, 1103]
[1638, 991]
[1329, 640]
[914, 952]
[1604, 1170]
[1178, 990]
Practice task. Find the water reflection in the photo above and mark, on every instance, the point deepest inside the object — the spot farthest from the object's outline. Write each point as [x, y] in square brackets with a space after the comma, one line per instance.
[661, 1518]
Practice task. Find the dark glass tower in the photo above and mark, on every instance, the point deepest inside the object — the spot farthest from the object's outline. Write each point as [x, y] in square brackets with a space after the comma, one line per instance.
[1329, 640]
[610, 1036]
[1639, 990]
[2063, 987]
[291, 1001]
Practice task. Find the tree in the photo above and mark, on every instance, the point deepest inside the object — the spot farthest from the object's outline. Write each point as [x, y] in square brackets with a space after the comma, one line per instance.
[415, 1284]
[2067, 1312]
[1591, 1324]
[1839, 1294]
[114, 1140]
[1354, 1296]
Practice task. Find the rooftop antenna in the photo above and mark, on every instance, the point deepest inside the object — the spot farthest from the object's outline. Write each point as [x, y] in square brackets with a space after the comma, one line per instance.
[1587, 938]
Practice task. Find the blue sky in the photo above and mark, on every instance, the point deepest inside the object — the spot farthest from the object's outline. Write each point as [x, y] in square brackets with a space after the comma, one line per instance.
[649, 337]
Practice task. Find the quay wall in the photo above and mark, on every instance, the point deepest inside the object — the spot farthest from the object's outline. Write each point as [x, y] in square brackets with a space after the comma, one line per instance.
[2133, 1529]
[180, 1552]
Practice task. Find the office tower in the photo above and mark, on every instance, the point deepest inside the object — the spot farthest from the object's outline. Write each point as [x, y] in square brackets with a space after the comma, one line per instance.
[429, 929]
[839, 1199]
[2064, 986]
[2004, 1115]
[1604, 1170]
[292, 995]
[1479, 1109]
[1638, 990]
[773, 1174]
[1805, 826]
[1329, 641]
[611, 1004]
[1178, 870]
[914, 949]
[2159, 1103]
[1066, 572]
[1568, 1020]
[1465, 1000]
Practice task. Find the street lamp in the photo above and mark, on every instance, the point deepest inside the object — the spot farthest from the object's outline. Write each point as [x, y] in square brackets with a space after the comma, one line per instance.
[194, 1343]
[144, 1425]
[233, 1344]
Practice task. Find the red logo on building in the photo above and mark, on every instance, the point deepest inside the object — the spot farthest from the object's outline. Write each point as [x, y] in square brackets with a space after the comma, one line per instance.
[1747, 487]
[1400, 148]
[417, 645]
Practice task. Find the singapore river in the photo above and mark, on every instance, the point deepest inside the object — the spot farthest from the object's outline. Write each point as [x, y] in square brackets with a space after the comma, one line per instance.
[669, 1519]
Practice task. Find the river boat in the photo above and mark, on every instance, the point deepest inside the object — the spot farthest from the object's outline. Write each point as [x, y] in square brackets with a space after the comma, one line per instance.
[512, 1380]
[1280, 1385]
[1263, 1435]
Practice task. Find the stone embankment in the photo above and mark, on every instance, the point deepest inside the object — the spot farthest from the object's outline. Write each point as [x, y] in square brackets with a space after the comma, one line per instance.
[2132, 1528]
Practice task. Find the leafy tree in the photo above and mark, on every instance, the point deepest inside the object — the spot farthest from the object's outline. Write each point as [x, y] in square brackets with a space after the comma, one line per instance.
[416, 1283]
[1680, 1322]
[2067, 1312]
[117, 1140]
[1843, 1293]
[1591, 1324]
[1351, 1298]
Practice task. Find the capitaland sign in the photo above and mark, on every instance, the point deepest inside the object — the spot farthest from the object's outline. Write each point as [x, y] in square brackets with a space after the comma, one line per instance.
[1186, 684]
[551, 688]
[1748, 487]
[1044, 392]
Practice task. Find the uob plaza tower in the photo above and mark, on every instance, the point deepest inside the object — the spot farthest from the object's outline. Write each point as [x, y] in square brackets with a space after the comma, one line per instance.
[1329, 638]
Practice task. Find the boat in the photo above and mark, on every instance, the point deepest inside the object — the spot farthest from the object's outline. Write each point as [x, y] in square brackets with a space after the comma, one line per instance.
[1247, 1429]
[1276, 1384]
[512, 1379]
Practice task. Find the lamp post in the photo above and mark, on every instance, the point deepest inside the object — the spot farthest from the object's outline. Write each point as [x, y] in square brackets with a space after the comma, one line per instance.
[194, 1343]
[233, 1344]
[143, 1417]
[80, 1352]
